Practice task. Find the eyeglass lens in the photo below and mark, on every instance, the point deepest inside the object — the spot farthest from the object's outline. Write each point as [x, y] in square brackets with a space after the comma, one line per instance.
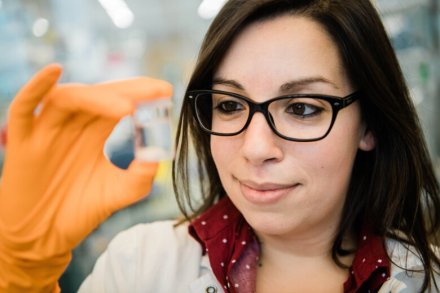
[296, 118]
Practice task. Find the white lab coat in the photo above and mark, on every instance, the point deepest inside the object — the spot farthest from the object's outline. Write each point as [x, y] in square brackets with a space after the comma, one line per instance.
[161, 258]
[156, 257]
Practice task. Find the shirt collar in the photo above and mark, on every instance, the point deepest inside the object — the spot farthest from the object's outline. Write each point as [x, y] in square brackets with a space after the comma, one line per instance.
[371, 265]
[233, 251]
[230, 243]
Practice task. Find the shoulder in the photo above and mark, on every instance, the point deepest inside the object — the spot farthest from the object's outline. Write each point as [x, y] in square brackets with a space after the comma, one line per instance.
[407, 272]
[164, 234]
[153, 256]
[403, 255]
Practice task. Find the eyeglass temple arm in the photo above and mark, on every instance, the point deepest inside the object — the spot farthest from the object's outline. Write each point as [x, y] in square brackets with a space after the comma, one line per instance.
[349, 99]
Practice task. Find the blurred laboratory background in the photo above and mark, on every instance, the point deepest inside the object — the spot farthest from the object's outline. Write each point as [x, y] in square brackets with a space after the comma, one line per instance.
[101, 40]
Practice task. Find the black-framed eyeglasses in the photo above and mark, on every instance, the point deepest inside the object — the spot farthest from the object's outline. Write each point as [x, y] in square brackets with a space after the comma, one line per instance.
[298, 117]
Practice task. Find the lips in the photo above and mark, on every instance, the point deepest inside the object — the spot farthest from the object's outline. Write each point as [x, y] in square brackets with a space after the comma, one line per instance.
[267, 193]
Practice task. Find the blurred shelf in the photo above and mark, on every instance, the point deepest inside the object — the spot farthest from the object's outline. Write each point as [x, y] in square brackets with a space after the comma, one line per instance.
[401, 6]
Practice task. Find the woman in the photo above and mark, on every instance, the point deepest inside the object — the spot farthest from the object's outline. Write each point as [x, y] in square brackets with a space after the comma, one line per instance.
[311, 163]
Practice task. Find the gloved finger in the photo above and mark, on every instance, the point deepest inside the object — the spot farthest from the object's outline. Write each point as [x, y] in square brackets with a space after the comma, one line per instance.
[70, 107]
[112, 100]
[21, 112]
[134, 184]
[139, 89]
[96, 129]
[121, 188]
[71, 99]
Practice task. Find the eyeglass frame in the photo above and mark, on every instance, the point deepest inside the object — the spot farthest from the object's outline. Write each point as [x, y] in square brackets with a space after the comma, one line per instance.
[337, 104]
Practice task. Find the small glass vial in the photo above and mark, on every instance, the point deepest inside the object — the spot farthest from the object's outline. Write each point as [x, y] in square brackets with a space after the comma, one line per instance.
[153, 136]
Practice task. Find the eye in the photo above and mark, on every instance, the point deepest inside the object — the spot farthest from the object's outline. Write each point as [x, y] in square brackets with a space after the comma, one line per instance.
[303, 109]
[229, 107]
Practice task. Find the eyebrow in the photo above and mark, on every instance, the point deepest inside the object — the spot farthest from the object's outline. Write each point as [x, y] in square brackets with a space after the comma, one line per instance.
[296, 85]
[228, 82]
[287, 87]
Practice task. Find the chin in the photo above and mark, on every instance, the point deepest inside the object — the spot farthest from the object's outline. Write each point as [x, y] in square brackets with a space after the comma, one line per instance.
[271, 224]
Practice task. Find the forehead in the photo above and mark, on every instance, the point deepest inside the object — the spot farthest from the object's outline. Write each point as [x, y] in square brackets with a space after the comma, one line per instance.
[273, 52]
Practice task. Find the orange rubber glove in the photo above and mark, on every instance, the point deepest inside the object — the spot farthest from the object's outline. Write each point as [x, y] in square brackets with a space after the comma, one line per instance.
[57, 186]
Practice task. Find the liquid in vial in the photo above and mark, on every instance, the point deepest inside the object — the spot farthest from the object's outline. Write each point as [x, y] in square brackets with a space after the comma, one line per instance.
[153, 137]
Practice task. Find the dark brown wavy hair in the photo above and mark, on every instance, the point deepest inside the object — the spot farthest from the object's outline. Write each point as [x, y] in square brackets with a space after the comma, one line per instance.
[393, 187]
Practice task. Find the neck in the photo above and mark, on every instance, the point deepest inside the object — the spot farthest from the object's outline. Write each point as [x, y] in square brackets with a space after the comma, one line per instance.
[291, 263]
[301, 247]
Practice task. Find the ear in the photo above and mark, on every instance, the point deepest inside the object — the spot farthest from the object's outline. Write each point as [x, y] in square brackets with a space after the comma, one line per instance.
[368, 140]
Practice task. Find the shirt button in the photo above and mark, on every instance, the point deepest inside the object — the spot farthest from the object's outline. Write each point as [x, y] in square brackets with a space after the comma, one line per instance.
[211, 289]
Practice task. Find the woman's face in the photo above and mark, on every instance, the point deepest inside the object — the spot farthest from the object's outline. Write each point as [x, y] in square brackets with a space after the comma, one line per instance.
[286, 188]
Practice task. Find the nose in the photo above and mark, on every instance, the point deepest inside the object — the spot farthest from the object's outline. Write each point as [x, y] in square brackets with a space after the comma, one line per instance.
[260, 143]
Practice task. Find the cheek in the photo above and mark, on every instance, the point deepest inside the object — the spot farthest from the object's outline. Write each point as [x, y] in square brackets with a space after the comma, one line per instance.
[329, 162]
[221, 153]
[327, 178]
[223, 160]
[323, 163]
[216, 150]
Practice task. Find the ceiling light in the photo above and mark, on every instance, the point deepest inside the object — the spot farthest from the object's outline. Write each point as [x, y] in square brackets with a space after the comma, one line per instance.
[209, 8]
[119, 12]
[40, 27]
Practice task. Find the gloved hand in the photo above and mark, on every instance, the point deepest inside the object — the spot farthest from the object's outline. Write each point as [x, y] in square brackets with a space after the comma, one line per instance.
[57, 186]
